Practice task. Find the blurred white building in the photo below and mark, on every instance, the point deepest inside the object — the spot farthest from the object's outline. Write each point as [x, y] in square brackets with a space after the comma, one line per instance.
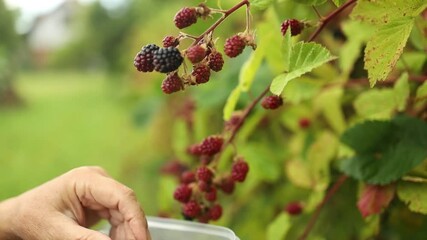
[52, 31]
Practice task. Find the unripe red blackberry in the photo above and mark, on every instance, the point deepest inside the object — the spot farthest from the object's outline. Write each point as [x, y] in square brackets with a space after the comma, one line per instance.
[195, 150]
[211, 195]
[204, 218]
[204, 186]
[204, 174]
[185, 17]
[188, 177]
[234, 46]
[144, 59]
[272, 102]
[172, 83]
[211, 145]
[294, 208]
[239, 170]
[295, 25]
[304, 123]
[196, 53]
[191, 209]
[182, 193]
[227, 185]
[201, 73]
[170, 41]
[166, 60]
[216, 62]
[215, 212]
[174, 167]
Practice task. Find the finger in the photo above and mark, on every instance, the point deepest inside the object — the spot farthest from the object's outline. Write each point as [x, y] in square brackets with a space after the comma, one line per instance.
[67, 229]
[111, 194]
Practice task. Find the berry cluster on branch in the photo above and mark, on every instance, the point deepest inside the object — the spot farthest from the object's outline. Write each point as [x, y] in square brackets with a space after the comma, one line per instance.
[202, 54]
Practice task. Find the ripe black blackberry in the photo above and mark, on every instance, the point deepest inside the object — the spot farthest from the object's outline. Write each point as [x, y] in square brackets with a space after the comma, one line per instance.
[166, 60]
[185, 17]
[144, 59]
[172, 83]
[295, 25]
[272, 102]
[216, 62]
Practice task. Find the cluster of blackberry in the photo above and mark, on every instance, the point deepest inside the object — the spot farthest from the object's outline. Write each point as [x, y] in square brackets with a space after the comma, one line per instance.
[198, 189]
[201, 54]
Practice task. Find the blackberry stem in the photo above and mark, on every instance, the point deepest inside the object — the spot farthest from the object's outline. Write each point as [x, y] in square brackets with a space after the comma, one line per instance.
[219, 21]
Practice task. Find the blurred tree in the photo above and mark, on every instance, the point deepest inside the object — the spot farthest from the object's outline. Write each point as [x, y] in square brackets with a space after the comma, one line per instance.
[9, 44]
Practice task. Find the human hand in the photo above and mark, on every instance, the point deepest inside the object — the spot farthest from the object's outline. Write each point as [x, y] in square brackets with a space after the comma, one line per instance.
[66, 206]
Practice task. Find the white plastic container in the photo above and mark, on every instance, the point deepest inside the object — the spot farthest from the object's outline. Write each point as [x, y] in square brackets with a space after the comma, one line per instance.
[170, 229]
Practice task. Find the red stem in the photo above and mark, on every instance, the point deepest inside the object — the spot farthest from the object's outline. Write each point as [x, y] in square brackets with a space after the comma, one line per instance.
[217, 23]
[327, 19]
[316, 214]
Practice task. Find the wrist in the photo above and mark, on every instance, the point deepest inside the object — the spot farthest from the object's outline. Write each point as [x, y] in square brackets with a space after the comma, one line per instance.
[7, 209]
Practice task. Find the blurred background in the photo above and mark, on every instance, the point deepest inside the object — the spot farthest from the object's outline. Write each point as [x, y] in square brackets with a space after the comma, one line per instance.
[70, 95]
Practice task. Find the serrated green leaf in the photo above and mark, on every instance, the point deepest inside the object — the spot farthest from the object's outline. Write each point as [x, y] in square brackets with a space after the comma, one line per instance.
[384, 12]
[231, 103]
[367, 136]
[414, 195]
[304, 58]
[375, 104]
[310, 2]
[385, 47]
[260, 4]
[338, 2]
[385, 150]
[401, 92]
[279, 227]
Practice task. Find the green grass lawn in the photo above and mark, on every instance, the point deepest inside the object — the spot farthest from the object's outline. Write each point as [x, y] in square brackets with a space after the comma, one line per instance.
[69, 120]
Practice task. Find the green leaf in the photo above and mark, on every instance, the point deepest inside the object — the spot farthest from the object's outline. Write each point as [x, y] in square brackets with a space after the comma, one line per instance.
[260, 4]
[287, 48]
[262, 161]
[231, 103]
[250, 68]
[375, 104]
[329, 103]
[301, 89]
[357, 34]
[384, 12]
[338, 2]
[310, 2]
[401, 92]
[385, 150]
[304, 58]
[414, 195]
[279, 227]
[385, 47]
[421, 98]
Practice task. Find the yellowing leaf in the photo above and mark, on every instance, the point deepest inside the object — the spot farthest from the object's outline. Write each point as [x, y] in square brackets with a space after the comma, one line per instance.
[375, 104]
[414, 195]
[329, 103]
[385, 11]
[279, 227]
[231, 103]
[401, 92]
[385, 47]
